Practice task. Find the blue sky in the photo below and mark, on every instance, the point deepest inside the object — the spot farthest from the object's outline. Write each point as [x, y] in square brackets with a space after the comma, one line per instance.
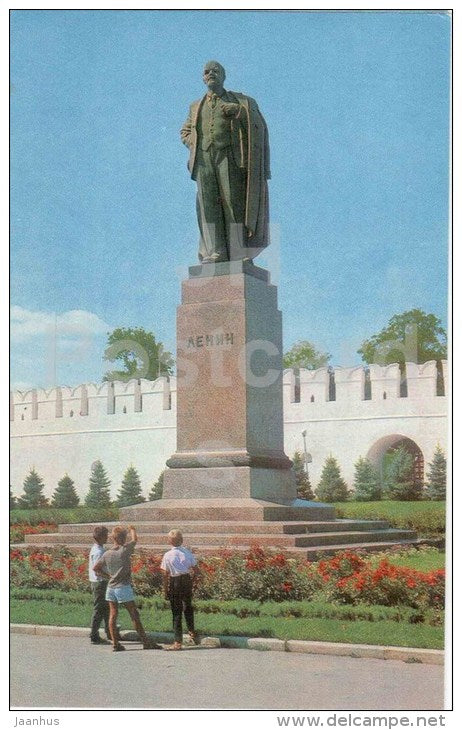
[103, 217]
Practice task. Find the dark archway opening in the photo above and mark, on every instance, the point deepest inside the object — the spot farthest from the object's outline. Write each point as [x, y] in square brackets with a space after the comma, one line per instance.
[417, 456]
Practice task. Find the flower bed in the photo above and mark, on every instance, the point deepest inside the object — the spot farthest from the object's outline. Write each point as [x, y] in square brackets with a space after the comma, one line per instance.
[349, 578]
[53, 568]
[258, 574]
[18, 530]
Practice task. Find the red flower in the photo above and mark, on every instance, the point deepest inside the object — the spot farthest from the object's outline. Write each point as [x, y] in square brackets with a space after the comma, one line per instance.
[56, 574]
[252, 565]
[279, 560]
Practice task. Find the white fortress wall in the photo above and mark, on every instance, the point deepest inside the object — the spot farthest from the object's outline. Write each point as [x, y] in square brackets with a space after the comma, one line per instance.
[120, 423]
[351, 426]
[66, 429]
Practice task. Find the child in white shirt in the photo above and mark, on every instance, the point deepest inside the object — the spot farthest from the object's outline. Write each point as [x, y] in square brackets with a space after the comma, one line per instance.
[178, 566]
[98, 588]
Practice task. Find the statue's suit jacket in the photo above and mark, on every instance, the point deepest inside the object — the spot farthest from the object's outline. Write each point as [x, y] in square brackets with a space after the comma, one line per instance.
[250, 150]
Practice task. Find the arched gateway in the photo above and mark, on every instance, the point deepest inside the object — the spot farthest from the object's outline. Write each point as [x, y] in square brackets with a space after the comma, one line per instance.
[385, 446]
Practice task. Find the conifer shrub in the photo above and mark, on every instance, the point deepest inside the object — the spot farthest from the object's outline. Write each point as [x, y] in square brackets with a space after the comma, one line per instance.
[302, 480]
[366, 482]
[32, 496]
[130, 490]
[98, 494]
[331, 488]
[157, 488]
[436, 484]
[65, 494]
[399, 478]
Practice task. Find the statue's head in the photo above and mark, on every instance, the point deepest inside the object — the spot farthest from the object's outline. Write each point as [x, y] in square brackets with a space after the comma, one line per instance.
[214, 74]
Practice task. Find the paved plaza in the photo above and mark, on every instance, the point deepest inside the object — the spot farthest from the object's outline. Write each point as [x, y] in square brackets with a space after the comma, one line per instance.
[65, 672]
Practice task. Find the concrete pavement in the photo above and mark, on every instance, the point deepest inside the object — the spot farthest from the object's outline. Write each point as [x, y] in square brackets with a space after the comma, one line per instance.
[65, 672]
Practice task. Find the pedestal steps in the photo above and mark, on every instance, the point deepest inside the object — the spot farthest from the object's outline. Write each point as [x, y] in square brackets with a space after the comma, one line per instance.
[209, 525]
[311, 553]
[246, 540]
[303, 538]
[254, 528]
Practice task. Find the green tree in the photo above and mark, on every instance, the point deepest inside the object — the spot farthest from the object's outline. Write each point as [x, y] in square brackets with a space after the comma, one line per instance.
[33, 496]
[366, 482]
[99, 485]
[130, 490]
[412, 336]
[305, 355]
[13, 501]
[139, 354]
[302, 480]
[157, 488]
[436, 485]
[65, 494]
[399, 477]
[331, 487]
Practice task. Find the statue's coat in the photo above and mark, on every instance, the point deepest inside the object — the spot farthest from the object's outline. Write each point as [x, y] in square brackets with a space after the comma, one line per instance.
[251, 153]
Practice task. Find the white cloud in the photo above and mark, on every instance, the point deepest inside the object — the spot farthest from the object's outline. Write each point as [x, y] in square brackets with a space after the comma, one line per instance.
[75, 323]
[40, 359]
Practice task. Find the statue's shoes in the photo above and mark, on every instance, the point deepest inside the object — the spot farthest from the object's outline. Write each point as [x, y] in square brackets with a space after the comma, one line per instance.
[213, 259]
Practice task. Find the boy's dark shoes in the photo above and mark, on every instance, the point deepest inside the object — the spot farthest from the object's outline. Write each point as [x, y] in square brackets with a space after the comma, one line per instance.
[152, 645]
[99, 640]
[118, 647]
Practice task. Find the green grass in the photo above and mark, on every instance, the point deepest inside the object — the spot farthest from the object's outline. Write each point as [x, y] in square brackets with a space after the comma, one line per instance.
[320, 622]
[427, 518]
[424, 559]
[63, 515]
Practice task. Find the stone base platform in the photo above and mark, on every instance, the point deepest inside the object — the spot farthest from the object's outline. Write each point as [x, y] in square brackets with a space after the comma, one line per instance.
[303, 529]
[241, 483]
[227, 509]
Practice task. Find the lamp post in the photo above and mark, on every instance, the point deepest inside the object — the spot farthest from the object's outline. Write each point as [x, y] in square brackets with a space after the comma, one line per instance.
[308, 458]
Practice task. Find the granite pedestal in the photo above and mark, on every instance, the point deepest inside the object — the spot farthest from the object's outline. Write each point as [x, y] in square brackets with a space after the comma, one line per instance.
[230, 441]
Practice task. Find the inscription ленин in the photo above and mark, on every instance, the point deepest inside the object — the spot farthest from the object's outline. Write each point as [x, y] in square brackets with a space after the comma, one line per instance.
[216, 340]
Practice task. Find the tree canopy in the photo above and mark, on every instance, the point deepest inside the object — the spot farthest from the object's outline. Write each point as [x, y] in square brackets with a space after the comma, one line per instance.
[305, 355]
[139, 354]
[412, 336]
